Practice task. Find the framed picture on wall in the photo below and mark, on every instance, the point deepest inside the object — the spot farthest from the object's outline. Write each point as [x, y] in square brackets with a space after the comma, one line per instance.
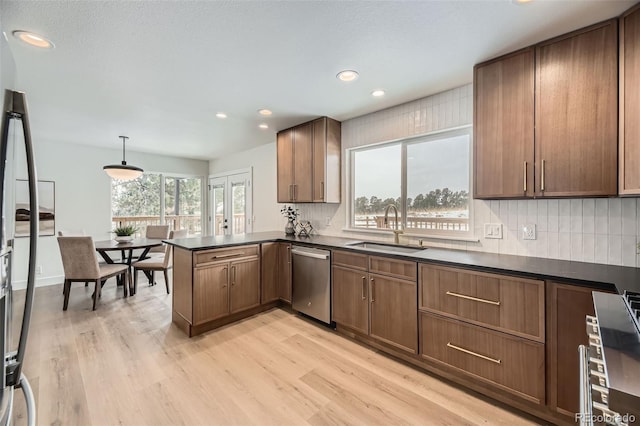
[46, 208]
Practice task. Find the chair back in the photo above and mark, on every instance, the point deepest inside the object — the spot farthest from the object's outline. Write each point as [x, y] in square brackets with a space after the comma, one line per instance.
[168, 256]
[159, 232]
[71, 233]
[79, 258]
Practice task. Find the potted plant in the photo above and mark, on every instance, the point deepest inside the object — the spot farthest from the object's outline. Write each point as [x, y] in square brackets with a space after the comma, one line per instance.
[291, 214]
[125, 234]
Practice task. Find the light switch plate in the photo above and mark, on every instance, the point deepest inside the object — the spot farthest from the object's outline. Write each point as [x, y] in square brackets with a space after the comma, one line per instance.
[493, 230]
[529, 231]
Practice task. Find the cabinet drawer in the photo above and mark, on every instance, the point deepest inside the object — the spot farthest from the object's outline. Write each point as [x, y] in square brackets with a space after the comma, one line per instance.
[514, 364]
[349, 259]
[225, 254]
[510, 304]
[393, 267]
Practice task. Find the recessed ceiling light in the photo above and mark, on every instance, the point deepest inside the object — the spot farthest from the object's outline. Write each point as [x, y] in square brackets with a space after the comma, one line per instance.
[263, 126]
[33, 39]
[521, 1]
[377, 93]
[347, 75]
[264, 111]
[221, 115]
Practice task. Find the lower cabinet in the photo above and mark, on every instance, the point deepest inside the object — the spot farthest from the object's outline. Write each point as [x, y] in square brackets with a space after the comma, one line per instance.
[223, 288]
[284, 272]
[270, 285]
[513, 364]
[383, 307]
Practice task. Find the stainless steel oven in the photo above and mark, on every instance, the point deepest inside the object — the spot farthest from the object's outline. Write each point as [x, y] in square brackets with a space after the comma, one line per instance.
[610, 365]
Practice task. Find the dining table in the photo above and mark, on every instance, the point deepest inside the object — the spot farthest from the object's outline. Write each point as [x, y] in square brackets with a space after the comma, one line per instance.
[126, 250]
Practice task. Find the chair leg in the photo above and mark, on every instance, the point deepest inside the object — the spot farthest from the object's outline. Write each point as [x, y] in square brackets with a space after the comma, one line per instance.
[66, 289]
[125, 282]
[166, 279]
[97, 293]
[135, 281]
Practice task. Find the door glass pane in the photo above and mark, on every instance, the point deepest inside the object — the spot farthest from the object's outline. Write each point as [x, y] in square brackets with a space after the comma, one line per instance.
[438, 184]
[218, 209]
[239, 206]
[378, 176]
[183, 204]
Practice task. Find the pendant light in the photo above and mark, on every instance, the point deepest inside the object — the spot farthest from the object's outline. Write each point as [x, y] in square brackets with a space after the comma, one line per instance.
[123, 171]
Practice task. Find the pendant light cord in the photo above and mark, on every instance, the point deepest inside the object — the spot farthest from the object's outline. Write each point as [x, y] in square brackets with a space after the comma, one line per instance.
[124, 138]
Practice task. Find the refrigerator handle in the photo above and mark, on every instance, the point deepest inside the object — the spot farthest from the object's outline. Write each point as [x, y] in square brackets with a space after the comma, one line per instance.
[19, 110]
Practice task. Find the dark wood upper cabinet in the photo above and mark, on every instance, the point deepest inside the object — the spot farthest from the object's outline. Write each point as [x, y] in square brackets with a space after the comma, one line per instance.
[629, 101]
[546, 117]
[576, 113]
[309, 162]
[503, 126]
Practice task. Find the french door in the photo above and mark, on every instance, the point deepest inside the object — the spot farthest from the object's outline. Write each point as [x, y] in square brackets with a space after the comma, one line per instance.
[230, 204]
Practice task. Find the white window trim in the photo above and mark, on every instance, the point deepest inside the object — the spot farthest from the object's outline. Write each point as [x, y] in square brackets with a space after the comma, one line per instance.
[436, 235]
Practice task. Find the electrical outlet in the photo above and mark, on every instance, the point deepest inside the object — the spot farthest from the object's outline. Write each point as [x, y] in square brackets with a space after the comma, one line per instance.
[39, 270]
[493, 230]
[529, 231]
[327, 221]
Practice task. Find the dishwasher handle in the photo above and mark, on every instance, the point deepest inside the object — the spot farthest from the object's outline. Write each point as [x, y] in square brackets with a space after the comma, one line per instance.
[309, 254]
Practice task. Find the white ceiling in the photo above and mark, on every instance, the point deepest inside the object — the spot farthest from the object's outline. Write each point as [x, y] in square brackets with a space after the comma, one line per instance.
[159, 71]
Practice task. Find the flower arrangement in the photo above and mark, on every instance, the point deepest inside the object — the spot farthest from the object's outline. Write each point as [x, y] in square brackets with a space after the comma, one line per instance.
[125, 231]
[290, 213]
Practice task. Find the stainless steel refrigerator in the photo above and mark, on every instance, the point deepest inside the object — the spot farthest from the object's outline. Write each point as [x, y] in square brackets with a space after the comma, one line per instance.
[15, 139]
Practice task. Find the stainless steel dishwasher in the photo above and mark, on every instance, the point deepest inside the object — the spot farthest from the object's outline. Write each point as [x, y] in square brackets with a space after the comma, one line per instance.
[311, 282]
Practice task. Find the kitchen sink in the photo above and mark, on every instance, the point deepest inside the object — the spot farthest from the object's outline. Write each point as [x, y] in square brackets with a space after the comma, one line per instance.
[388, 248]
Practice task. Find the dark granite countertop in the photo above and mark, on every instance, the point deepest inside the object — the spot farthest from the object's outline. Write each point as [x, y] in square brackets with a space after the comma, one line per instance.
[595, 275]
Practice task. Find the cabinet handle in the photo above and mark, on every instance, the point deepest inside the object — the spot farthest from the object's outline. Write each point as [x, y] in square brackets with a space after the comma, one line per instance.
[226, 280]
[233, 280]
[475, 299]
[542, 178]
[364, 286]
[290, 192]
[295, 191]
[524, 178]
[373, 283]
[466, 351]
[322, 190]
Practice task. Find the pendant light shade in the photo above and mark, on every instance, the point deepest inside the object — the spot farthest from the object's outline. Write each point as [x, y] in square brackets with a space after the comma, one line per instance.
[123, 171]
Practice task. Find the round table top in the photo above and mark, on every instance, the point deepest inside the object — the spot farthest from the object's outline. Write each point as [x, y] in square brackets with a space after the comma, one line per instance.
[136, 243]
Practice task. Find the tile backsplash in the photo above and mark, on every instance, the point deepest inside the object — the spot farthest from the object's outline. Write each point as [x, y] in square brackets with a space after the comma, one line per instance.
[600, 230]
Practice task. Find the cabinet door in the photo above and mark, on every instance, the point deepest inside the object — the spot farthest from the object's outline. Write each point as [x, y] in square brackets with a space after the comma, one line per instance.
[394, 312]
[503, 126]
[245, 285]
[269, 278]
[285, 166]
[319, 159]
[303, 163]
[284, 272]
[210, 293]
[350, 298]
[576, 113]
[567, 306]
[630, 103]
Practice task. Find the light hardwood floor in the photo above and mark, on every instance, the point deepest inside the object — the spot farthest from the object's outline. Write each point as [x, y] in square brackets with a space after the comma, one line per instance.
[126, 364]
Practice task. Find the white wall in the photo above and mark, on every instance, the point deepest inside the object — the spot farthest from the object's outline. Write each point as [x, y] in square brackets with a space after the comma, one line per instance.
[604, 230]
[83, 197]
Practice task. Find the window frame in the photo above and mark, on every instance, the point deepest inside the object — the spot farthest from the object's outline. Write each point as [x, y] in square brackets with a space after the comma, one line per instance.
[468, 235]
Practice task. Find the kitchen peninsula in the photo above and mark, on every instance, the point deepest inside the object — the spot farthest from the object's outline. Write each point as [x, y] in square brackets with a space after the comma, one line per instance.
[505, 308]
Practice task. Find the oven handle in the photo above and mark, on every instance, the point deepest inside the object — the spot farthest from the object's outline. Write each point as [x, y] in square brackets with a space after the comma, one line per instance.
[586, 409]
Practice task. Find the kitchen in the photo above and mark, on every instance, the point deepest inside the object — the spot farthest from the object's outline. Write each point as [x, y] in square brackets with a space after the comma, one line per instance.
[596, 230]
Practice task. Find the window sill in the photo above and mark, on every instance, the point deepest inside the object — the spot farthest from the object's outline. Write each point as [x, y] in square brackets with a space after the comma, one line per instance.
[381, 232]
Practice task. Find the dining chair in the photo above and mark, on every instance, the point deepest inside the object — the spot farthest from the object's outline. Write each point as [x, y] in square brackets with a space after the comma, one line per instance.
[157, 263]
[159, 232]
[80, 264]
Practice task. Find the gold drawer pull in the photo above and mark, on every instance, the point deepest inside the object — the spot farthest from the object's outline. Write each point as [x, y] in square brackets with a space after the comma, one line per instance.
[221, 256]
[458, 348]
[476, 299]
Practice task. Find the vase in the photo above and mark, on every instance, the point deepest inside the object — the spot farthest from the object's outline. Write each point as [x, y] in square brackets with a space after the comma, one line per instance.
[124, 239]
[290, 228]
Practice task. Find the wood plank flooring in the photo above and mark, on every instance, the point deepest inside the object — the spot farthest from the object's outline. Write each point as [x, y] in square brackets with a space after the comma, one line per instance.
[126, 364]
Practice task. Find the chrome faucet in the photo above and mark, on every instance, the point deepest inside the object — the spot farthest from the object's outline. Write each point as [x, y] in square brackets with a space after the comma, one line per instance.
[397, 231]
